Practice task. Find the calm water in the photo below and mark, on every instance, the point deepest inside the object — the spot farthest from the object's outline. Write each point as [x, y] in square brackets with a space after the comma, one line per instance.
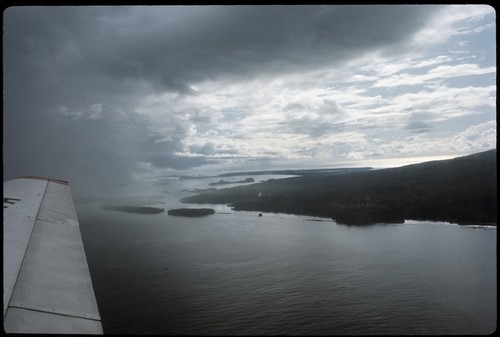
[235, 273]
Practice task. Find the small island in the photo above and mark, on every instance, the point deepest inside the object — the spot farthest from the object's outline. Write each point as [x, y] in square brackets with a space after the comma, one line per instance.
[191, 212]
[132, 209]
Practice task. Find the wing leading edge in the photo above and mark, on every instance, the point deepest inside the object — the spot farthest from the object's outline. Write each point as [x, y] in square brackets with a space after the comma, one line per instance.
[47, 284]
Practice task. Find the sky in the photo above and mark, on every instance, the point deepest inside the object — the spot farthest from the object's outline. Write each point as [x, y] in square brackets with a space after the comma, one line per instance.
[104, 95]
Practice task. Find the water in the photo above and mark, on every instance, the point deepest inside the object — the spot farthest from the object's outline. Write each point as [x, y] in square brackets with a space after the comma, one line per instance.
[235, 273]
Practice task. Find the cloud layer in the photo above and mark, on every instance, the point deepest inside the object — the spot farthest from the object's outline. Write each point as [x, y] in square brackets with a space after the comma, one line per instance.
[99, 94]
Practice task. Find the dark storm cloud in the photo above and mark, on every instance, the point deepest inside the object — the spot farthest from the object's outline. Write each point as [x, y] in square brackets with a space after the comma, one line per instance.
[174, 47]
[180, 162]
[417, 122]
[179, 46]
[418, 126]
[73, 76]
[95, 155]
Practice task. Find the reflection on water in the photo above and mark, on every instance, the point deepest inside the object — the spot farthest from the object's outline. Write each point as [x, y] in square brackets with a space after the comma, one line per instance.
[237, 273]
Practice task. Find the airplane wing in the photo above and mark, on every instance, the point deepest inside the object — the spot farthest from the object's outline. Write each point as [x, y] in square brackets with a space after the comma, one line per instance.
[47, 286]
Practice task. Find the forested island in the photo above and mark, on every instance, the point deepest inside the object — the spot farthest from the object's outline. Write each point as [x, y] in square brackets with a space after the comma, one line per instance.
[133, 209]
[460, 190]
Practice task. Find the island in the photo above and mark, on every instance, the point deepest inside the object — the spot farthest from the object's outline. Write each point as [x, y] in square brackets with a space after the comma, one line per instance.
[191, 212]
[133, 209]
[462, 190]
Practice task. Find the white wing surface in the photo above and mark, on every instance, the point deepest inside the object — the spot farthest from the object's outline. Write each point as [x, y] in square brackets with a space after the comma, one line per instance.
[47, 286]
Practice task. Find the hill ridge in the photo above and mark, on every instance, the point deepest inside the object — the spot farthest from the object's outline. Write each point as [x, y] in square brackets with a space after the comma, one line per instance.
[459, 190]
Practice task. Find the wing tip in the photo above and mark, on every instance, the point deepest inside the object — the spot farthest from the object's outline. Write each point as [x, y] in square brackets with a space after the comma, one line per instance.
[53, 180]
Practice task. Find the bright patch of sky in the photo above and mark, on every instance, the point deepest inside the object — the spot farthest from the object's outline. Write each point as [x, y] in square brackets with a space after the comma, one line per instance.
[435, 100]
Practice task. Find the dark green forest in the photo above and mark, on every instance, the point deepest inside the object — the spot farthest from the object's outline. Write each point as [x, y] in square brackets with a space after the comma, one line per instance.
[461, 190]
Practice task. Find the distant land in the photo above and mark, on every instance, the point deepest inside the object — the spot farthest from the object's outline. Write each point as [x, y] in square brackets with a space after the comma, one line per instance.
[462, 190]
[224, 182]
[297, 172]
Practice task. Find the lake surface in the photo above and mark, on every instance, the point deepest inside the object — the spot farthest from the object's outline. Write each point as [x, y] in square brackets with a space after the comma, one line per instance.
[235, 273]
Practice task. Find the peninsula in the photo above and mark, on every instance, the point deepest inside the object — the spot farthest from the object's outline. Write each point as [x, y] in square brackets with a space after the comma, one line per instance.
[460, 190]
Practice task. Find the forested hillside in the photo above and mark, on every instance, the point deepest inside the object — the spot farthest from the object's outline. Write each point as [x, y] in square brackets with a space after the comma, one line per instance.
[461, 190]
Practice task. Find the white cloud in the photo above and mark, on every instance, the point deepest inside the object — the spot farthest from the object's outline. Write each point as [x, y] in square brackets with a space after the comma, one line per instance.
[450, 21]
[387, 65]
[270, 119]
[476, 138]
[438, 73]
[445, 102]
[480, 137]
